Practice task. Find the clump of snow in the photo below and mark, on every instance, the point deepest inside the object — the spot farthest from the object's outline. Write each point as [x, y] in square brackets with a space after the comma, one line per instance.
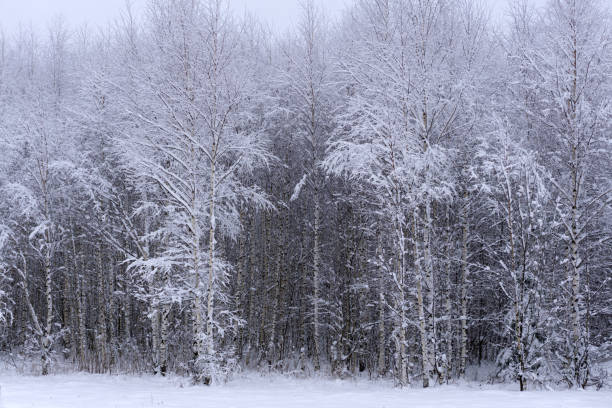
[298, 188]
[251, 391]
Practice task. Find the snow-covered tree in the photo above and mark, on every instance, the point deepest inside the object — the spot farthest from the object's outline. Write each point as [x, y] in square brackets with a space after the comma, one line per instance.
[567, 64]
[194, 135]
[405, 191]
[306, 72]
[518, 198]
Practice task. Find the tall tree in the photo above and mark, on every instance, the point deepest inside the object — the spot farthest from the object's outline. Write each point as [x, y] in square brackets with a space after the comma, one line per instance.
[195, 136]
[568, 61]
[306, 71]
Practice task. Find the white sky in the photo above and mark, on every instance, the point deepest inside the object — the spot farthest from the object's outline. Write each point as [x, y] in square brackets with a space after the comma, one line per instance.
[281, 14]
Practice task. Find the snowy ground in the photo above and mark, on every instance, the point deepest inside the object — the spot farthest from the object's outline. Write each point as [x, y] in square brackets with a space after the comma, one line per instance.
[97, 391]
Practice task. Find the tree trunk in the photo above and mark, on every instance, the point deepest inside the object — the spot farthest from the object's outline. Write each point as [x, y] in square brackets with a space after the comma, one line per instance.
[251, 288]
[381, 309]
[155, 337]
[430, 315]
[163, 339]
[401, 273]
[448, 306]
[100, 331]
[240, 288]
[464, 283]
[67, 315]
[82, 327]
[197, 328]
[276, 296]
[210, 290]
[425, 362]
[315, 279]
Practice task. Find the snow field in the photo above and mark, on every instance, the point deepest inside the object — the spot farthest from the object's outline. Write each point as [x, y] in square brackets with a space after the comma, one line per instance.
[122, 391]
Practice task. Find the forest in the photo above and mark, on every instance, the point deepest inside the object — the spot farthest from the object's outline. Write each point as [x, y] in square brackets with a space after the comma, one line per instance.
[404, 192]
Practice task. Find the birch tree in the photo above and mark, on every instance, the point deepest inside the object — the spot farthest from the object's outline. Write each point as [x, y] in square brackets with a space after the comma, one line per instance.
[440, 197]
[306, 71]
[520, 198]
[195, 137]
[569, 60]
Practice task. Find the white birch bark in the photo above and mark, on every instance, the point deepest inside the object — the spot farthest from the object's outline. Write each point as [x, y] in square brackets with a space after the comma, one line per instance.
[400, 282]
[315, 282]
[163, 339]
[448, 306]
[210, 289]
[381, 310]
[421, 281]
[464, 288]
[197, 324]
[155, 337]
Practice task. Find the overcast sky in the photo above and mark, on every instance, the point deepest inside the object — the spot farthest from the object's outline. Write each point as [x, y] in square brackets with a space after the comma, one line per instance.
[281, 14]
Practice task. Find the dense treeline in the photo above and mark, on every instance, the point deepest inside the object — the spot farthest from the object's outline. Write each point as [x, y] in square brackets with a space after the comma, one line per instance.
[405, 192]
